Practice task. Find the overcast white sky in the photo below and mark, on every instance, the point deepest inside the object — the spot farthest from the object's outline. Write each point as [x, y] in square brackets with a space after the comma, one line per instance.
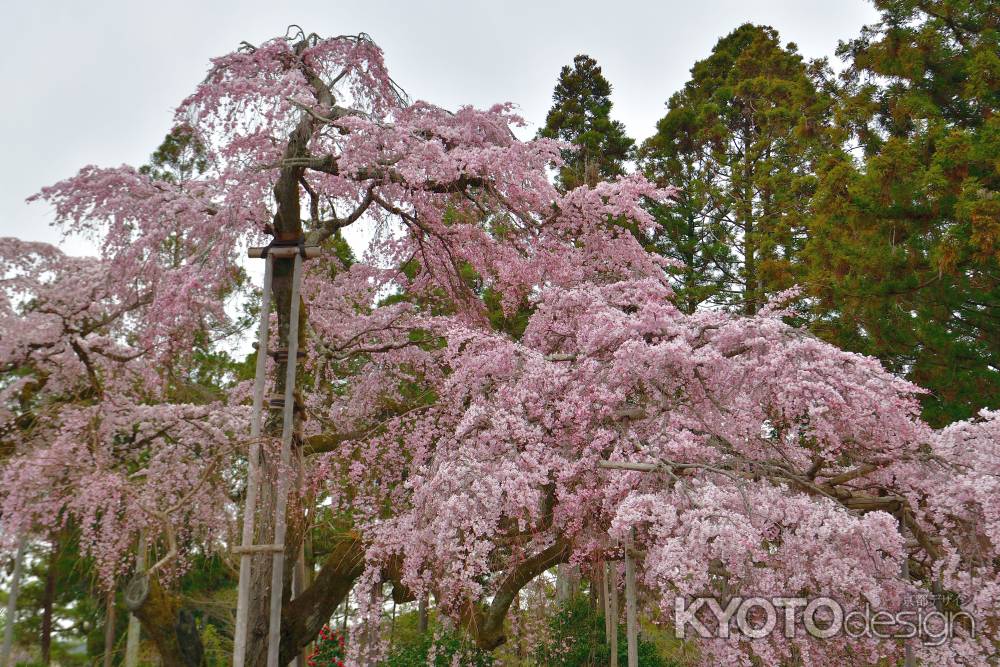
[96, 82]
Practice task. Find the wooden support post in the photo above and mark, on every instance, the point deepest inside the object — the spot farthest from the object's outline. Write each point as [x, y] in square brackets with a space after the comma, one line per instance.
[109, 630]
[606, 602]
[253, 472]
[134, 627]
[562, 586]
[909, 660]
[299, 584]
[517, 622]
[347, 611]
[613, 572]
[281, 504]
[422, 614]
[631, 620]
[392, 628]
[15, 584]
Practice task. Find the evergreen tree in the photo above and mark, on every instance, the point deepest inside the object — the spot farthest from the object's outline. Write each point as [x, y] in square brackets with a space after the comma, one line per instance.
[689, 232]
[741, 141]
[904, 248]
[581, 115]
[180, 156]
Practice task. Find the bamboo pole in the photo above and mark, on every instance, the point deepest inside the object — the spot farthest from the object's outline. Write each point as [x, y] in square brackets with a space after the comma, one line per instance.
[15, 585]
[253, 472]
[281, 504]
[134, 627]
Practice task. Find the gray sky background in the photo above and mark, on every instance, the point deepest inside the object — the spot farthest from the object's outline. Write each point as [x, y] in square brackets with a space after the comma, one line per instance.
[96, 82]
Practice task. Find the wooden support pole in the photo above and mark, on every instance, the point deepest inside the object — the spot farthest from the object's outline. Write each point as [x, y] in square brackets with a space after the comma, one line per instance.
[422, 614]
[281, 504]
[299, 584]
[15, 584]
[605, 601]
[562, 583]
[134, 627]
[347, 611]
[109, 630]
[613, 577]
[253, 472]
[631, 620]
[909, 660]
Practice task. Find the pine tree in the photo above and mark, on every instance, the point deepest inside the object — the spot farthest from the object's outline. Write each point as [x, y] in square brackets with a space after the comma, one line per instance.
[581, 115]
[741, 140]
[904, 248]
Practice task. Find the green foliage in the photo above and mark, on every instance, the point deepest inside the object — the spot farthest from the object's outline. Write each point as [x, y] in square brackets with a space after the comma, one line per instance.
[576, 638]
[439, 649]
[179, 157]
[77, 611]
[903, 255]
[740, 140]
[217, 651]
[581, 114]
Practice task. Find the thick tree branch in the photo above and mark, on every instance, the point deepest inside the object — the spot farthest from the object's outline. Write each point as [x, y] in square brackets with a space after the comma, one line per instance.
[485, 621]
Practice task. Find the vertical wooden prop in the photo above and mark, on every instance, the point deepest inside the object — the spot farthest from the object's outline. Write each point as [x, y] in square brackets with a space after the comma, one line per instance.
[253, 471]
[347, 612]
[299, 583]
[15, 585]
[606, 602]
[422, 615]
[134, 628]
[283, 468]
[281, 504]
[909, 660]
[631, 621]
[613, 611]
[109, 629]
